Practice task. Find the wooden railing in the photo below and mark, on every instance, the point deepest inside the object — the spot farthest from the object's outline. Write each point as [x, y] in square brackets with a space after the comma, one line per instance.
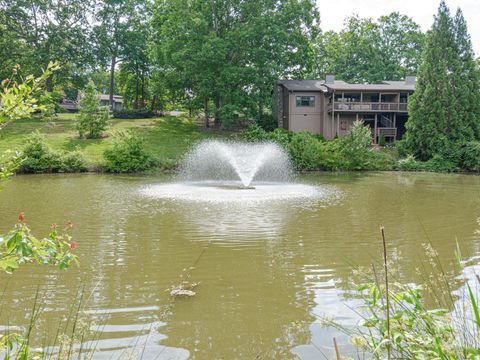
[368, 106]
[388, 132]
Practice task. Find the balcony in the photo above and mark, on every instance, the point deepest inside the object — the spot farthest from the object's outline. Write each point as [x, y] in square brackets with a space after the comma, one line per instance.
[367, 107]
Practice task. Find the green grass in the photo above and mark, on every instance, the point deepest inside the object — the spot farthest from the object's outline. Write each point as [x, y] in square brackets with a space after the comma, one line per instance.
[167, 138]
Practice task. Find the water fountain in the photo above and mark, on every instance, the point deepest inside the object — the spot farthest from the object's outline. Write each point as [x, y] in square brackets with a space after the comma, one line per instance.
[216, 171]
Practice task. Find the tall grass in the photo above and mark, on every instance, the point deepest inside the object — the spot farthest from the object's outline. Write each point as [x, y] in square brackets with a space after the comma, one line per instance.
[397, 323]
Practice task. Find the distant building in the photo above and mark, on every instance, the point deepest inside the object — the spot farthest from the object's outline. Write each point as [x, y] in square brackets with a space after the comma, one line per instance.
[73, 106]
[329, 107]
[117, 101]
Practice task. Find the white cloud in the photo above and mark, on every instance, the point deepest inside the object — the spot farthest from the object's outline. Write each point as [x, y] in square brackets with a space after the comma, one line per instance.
[333, 13]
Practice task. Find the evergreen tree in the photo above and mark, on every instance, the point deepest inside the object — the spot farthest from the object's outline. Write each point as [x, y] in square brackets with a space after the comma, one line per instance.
[93, 117]
[442, 115]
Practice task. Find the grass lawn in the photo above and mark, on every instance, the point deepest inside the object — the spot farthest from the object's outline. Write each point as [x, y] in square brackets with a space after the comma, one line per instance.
[167, 138]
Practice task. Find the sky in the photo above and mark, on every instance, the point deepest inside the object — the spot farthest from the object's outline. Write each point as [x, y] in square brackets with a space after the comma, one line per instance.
[334, 12]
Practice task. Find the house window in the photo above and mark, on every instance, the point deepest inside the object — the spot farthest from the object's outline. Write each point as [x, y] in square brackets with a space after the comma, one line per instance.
[305, 101]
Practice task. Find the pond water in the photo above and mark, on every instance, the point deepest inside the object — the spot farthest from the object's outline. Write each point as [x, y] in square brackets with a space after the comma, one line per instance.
[267, 269]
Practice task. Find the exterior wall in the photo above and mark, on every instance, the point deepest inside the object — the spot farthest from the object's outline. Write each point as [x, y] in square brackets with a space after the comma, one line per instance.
[305, 117]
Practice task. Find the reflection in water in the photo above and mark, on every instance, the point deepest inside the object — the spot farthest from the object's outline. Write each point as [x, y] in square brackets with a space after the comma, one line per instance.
[267, 269]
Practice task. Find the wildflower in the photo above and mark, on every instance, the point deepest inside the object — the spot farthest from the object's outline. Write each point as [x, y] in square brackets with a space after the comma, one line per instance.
[21, 217]
[73, 245]
[53, 226]
[69, 223]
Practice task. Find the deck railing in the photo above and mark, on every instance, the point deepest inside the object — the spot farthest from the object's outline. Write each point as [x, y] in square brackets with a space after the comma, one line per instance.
[368, 106]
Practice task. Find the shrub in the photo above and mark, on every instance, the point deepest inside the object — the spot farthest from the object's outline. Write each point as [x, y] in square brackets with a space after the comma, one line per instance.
[254, 133]
[304, 150]
[380, 161]
[267, 122]
[73, 161]
[280, 136]
[93, 118]
[330, 155]
[127, 155]
[356, 146]
[410, 164]
[440, 164]
[38, 157]
[381, 140]
[471, 156]
[134, 114]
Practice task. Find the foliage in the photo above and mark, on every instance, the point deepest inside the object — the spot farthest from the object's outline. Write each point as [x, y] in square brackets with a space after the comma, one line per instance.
[17, 96]
[73, 161]
[304, 149]
[133, 114]
[444, 110]
[231, 53]
[409, 163]
[127, 155]
[254, 133]
[93, 119]
[19, 247]
[38, 157]
[370, 51]
[471, 156]
[356, 146]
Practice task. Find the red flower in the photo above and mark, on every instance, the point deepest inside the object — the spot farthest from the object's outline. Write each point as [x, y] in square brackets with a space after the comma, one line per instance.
[69, 223]
[73, 245]
[21, 217]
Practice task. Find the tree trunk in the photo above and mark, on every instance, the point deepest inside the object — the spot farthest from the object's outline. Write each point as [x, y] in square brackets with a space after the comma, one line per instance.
[135, 106]
[154, 100]
[205, 109]
[112, 80]
[217, 111]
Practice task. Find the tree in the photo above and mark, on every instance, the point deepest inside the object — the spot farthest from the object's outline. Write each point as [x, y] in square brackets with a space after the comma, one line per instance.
[93, 117]
[228, 54]
[440, 113]
[114, 33]
[369, 51]
[37, 32]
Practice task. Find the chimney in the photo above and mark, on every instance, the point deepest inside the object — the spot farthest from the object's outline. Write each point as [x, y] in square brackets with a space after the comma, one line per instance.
[329, 79]
[410, 79]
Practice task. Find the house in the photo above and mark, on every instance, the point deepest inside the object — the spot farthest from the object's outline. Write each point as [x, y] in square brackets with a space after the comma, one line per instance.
[73, 106]
[117, 101]
[329, 107]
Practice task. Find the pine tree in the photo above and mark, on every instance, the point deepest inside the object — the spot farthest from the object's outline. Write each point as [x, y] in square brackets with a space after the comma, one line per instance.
[444, 111]
[468, 87]
[93, 118]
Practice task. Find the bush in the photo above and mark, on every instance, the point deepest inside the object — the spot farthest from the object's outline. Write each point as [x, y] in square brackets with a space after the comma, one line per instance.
[128, 155]
[410, 164]
[356, 146]
[37, 157]
[93, 118]
[471, 156]
[380, 161]
[134, 114]
[254, 133]
[440, 164]
[304, 150]
[330, 155]
[280, 136]
[73, 161]
[267, 122]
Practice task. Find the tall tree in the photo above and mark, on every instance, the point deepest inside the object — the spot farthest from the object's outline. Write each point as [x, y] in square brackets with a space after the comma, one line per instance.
[230, 53]
[113, 32]
[37, 32]
[440, 113]
[370, 51]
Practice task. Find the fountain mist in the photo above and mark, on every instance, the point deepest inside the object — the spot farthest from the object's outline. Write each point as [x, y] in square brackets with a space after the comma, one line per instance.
[221, 160]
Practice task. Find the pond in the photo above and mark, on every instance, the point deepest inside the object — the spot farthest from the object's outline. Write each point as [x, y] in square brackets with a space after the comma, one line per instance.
[267, 270]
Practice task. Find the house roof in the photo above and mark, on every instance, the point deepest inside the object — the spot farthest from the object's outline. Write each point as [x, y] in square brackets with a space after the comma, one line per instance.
[320, 85]
[303, 85]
